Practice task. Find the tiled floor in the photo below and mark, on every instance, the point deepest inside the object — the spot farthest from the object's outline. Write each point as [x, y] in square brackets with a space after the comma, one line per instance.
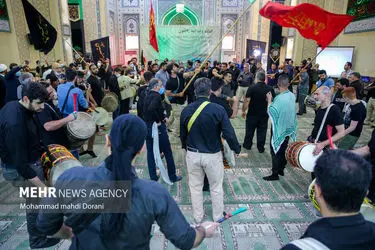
[277, 211]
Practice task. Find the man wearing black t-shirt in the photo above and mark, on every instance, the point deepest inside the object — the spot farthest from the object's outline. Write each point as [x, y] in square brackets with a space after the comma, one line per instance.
[51, 122]
[370, 117]
[334, 119]
[354, 117]
[337, 98]
[175, 85]
[342, 181]
[257, 116]
[369, 151]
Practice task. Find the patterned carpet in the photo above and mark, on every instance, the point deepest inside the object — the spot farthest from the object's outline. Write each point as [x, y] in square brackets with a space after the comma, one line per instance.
[277, 211]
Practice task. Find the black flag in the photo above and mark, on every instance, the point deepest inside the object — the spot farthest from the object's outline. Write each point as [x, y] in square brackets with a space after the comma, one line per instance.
[42, 33]
[100, 49]
[142, 59]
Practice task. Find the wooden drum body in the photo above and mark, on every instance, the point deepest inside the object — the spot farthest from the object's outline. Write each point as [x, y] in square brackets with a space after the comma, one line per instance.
[56, 161]
[80, 130]
[300, 155]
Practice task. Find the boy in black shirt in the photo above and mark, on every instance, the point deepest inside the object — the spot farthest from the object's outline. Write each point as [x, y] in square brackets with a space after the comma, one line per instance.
[354, 116]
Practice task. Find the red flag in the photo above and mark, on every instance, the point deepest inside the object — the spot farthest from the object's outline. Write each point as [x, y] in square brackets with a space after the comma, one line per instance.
[311, 21]
[153, 39]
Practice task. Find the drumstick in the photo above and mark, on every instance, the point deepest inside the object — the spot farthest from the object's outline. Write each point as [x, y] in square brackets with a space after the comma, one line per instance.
[75, 101]
[329, 134]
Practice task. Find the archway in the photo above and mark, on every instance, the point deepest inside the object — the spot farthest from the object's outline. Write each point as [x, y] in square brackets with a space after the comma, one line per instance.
[188, 17]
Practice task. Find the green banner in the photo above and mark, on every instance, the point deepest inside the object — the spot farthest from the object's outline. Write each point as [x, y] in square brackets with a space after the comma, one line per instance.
[182, 42]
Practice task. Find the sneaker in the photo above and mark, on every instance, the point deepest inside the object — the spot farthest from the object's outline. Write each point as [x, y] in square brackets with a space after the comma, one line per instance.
[271, 178]
[178, 178]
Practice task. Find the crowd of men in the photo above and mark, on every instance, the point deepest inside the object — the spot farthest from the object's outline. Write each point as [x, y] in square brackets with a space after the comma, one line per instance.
[196, 103]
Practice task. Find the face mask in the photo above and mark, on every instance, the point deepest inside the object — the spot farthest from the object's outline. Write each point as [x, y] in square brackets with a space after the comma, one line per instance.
[80, 68]
[118, 75]
[318, 102]
[18, 74]
[281, 71]
[162, 90]
[99, 64]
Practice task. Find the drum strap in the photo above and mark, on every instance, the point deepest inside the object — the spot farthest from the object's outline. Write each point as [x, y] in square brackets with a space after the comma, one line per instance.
[309, 244]
[322, 124]
[66, 99]
[196, 114]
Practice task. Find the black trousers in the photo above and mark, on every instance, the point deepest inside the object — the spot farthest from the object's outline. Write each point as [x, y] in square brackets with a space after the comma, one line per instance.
[124, 106]
[278, 159]
[260, 123]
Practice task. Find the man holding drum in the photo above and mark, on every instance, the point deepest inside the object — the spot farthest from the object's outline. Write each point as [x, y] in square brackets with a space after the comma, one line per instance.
[341, 184]
[20, 150]
[51, 121]
[326, 114]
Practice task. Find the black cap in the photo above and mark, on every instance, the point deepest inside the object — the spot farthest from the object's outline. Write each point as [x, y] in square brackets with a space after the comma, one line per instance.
[216, 84]
[322, 72]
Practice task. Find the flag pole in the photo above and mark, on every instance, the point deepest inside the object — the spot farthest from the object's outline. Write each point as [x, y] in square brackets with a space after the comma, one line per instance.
[82, 60]
[217, 45]
[307, 65]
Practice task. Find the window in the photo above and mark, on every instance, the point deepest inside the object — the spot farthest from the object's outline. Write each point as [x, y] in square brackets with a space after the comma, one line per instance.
[289, 48]
[131, 42]
[228, 43]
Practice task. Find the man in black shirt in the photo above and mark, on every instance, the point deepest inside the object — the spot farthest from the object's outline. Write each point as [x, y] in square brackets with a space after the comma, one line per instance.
[175, 85]
[369, 151]
[355, 82]
[337, 98]
[257, 116]
[341, 184]
[141, 93]
[51, 121]
[20, 150]
[201, 137]
[354, 116]
[97, 94]
[370, 117]
[215, 97]
[97, 89]
[334, 119]
[153, 112]
[174, 88]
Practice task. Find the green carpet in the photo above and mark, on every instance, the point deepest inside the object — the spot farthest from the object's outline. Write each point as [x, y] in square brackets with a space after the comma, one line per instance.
[277, 211]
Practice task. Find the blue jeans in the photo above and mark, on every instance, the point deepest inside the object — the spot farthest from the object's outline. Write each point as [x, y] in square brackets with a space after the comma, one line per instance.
[165, 147]
[75, 153]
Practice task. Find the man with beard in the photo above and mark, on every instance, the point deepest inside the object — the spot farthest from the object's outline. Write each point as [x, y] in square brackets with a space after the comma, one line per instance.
[20, 151]
[98, 94]
[337, 98]
[154, 69]
[324, 80]
[356, 83]
[51, 121]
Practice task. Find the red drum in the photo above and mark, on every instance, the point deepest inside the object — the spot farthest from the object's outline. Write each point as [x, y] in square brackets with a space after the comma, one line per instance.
[300, 155]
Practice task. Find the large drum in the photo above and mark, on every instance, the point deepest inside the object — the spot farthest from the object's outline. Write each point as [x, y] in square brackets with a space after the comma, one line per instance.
[110, 102]
[367, 207]
[100, 116]
[56, 161]
[80, 130]
[300, 155]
